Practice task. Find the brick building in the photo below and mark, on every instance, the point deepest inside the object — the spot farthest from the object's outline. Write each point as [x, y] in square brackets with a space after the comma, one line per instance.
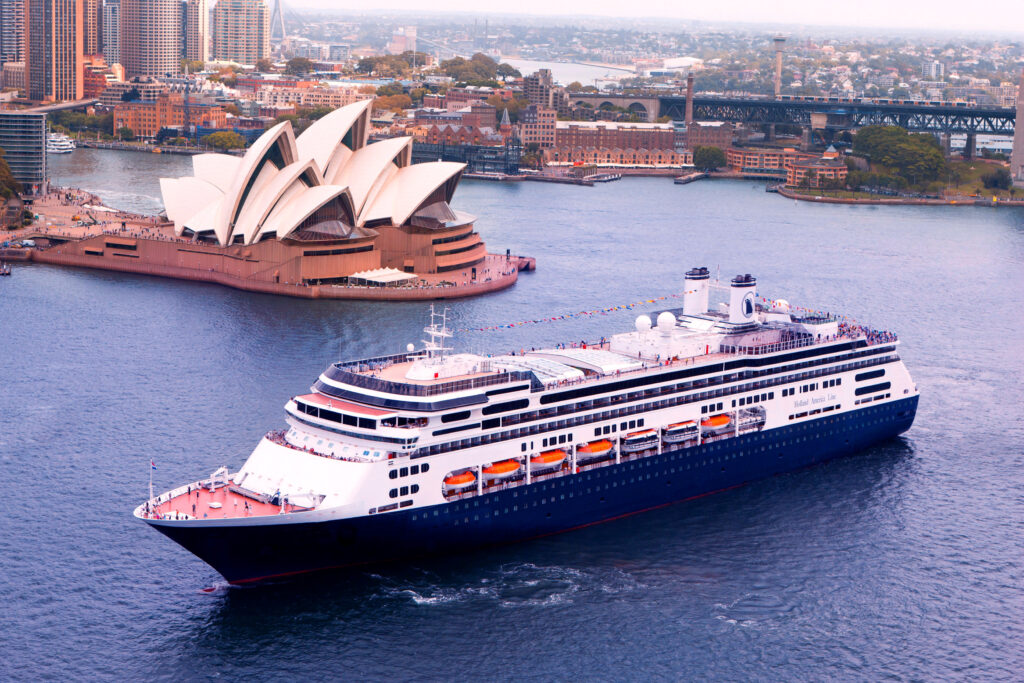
[462, 135]
[145, 118]
[709, 134]
[537, 125]
[763, 162]
[616, 157]
[609, 134]
[817, 172]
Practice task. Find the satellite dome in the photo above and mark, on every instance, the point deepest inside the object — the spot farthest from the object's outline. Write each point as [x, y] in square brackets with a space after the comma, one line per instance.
[666, 322]
[643, 323]
[780, 306]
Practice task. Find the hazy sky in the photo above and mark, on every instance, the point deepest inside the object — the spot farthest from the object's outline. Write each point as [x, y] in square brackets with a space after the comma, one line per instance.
[996, 16]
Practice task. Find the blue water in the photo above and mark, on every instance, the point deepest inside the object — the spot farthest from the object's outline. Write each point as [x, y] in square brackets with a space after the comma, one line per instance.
[904, 562]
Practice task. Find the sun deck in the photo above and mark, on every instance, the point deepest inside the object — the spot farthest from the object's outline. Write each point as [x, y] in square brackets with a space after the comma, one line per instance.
[199, 501]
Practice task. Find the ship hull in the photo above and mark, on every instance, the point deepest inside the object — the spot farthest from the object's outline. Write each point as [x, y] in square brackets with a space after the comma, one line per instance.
[250, 553]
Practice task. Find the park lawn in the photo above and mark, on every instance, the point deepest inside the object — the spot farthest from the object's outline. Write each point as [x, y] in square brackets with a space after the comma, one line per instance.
[970, 174]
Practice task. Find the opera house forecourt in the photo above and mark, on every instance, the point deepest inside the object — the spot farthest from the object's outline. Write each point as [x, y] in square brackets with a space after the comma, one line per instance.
[323, 214]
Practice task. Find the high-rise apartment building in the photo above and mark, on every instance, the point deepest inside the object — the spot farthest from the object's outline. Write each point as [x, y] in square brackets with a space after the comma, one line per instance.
[91, 27]
[112, 31]
[150, 37]
[12, 31]
[197, 30]
[241, 31]
[54, 49]
[933, 70]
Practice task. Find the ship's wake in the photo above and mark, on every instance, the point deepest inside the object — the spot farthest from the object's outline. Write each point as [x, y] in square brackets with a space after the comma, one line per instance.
[520, 584]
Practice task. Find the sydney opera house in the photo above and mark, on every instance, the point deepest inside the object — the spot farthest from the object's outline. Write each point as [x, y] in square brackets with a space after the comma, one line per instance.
[323, 214]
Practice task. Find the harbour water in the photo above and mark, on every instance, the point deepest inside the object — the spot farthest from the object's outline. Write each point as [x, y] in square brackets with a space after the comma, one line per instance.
[904, 562]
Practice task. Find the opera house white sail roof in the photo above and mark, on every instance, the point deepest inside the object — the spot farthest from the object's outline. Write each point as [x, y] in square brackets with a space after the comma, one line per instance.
[326, 181]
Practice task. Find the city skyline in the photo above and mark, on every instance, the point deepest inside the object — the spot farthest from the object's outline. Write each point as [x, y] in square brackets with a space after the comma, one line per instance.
[915, 15]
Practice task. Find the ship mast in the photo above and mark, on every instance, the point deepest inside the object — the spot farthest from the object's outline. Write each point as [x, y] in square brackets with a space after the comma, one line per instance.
[437, 332]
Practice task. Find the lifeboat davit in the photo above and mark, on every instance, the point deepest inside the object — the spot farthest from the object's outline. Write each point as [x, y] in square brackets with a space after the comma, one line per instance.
[680, 431]
[716, 423]
[594, 449]
[639, 441]
[457, 482]
[501, 470]
[548, 460]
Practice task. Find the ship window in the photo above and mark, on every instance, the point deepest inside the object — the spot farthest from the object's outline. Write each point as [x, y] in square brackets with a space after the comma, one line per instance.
[367, 423]
[632, 424]
[454, 417]
[393, 474]
[415, 469]
[415, 488]
[860, 391]
[405, 491]
[349, 420]
[597, 431]
[561, 438]
[393, 493]
[424, 467]
[522, 447]
[404, 472]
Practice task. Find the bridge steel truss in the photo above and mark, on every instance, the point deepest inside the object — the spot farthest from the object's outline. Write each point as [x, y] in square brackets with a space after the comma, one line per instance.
[844, 115]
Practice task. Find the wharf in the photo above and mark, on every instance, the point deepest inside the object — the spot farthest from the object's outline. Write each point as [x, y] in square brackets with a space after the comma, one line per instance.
[564, 180]
[687, 178]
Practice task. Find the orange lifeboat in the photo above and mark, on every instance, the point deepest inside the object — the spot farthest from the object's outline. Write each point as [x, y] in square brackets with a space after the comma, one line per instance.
[501, 470]
[594, 449]
[455, 482]
[716, 423]
[548, 460]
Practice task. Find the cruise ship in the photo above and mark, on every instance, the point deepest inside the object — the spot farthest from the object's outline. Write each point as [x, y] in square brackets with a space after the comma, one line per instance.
[432, 451]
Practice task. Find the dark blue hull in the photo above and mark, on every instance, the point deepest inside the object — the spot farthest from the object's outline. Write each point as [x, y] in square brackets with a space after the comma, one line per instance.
[559, 504]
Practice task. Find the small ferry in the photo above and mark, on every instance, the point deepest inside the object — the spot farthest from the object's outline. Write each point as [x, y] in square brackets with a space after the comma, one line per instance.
[58, 143]
[430, 451]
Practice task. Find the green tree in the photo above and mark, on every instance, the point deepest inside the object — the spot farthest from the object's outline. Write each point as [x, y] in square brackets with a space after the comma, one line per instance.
[192, 65]
[708, 158]
[125, 133]
[264, 65]
[390, 89]
[507, 71]
[298, 66]
[224, 140]
[8, 185]
[999, 179]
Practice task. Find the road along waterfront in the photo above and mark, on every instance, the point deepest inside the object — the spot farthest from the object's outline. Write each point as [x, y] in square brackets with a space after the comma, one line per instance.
[899, 562]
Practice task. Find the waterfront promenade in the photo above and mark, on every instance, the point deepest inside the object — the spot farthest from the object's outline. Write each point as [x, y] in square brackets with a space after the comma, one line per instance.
[69, 218]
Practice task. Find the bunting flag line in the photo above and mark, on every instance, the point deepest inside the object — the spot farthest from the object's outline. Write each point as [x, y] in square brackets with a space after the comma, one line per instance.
[771, 303]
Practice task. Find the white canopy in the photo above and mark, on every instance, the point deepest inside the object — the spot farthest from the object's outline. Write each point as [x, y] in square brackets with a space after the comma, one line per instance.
[384, 276]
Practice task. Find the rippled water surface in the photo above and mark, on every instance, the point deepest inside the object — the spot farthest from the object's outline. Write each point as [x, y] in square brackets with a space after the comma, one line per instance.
[903, 562]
